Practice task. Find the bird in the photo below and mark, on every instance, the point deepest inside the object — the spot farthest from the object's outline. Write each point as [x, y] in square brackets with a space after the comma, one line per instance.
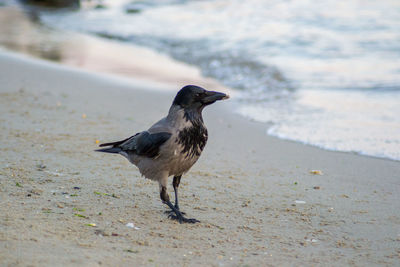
[171, 146]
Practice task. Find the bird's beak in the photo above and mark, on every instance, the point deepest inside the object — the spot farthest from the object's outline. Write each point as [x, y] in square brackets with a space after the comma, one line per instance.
[211, 96]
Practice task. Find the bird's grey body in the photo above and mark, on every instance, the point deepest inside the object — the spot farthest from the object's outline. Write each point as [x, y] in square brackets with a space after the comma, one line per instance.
[172, 159]
[172, 145]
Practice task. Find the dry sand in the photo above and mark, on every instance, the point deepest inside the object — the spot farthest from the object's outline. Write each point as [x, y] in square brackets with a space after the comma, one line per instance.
[54, 188]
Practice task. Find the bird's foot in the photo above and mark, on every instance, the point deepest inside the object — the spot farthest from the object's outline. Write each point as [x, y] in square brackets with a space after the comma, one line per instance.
[182, 219]
[172, 211]
[178, 214]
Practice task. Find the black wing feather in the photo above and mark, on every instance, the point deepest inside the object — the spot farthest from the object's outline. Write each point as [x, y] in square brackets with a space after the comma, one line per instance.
[142, 144]
[149, 144]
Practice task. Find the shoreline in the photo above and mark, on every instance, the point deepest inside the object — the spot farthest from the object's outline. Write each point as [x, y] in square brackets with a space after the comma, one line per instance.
[254, 194]
[161, 84]
[127, 61]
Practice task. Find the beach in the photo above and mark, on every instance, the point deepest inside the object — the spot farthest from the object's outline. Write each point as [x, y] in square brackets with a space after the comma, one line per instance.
[261, 200]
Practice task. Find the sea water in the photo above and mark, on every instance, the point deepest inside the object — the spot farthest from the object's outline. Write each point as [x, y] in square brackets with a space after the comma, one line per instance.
[325, 73]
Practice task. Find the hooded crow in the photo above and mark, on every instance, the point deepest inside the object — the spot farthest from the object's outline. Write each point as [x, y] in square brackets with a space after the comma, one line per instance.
[172, 145]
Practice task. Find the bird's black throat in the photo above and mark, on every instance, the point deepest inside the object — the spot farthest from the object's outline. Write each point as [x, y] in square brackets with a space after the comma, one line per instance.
[194, 137]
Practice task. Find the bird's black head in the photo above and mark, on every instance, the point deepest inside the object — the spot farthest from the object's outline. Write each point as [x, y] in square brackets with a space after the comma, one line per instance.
[195, 97]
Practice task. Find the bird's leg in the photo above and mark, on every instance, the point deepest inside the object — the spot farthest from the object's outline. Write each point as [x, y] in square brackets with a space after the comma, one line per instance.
[178, 215]
[175, 184]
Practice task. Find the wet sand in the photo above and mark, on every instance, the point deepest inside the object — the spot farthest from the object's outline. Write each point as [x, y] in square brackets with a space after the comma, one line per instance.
[258, 203]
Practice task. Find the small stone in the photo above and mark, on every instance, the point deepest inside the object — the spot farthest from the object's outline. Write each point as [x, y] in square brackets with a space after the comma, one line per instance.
[37, 192]
[40, 167]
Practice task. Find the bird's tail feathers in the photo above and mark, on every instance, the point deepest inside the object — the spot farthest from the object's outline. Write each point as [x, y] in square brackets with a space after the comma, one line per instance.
[110, 150]
[115, 143]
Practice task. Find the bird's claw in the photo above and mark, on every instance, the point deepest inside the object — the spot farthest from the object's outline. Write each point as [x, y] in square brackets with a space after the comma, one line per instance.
[177, 208]
[171, 211]
[182, 219]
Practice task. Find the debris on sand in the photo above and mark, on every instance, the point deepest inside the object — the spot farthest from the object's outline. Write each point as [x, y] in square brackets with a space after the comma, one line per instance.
[106, 194]
[37, 192]
[40, 167]
[131, 251]
[80, 215]
[246, 203]
[131, 225]
[316, 172]
[78, 209]
[101, 232]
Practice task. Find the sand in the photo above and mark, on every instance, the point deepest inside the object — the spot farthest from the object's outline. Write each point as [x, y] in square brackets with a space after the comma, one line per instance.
[258, 202]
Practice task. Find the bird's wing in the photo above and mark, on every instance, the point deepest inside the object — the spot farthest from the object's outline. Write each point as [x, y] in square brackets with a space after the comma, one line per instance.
[161, 126]
[115, 144]
[145, 143]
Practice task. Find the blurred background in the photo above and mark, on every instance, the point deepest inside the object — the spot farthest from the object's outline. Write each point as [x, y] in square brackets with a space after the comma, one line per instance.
[325, 73]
